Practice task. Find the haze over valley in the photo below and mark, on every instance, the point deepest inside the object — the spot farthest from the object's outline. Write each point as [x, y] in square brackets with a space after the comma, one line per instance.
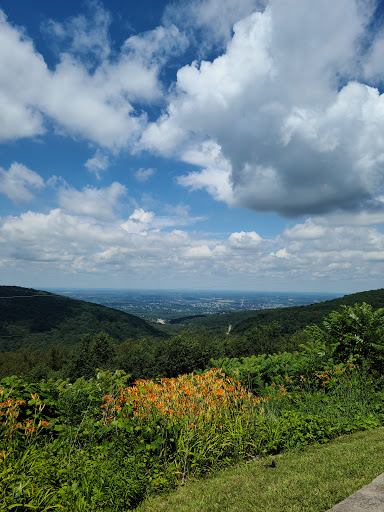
[168, 305]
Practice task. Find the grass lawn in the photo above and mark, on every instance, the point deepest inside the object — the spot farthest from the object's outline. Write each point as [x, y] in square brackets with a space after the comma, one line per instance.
[311, 480]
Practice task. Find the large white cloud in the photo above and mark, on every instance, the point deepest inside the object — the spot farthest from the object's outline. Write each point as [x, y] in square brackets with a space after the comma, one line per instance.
[286, 105]
[281, 121]
[214, 19]
[79, 242]
[56, 236]
[95, 101]
[69, 244]
[215, 175]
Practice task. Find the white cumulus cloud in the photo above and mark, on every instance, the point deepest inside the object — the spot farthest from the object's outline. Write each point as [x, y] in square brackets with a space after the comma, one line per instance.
[98, 163]
[90, 92]
[139, 221]
[307, 231]
[17, 182]
[245, 240]
[71, 243]
[99, 203]
[287, 107]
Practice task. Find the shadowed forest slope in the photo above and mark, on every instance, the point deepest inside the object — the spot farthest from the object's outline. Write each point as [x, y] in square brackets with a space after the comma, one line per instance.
[40, 318]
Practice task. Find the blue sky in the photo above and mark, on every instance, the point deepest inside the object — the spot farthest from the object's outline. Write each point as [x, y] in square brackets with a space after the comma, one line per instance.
[205, 144]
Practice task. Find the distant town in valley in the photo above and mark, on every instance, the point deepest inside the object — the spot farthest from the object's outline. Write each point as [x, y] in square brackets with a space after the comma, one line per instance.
[163, 306]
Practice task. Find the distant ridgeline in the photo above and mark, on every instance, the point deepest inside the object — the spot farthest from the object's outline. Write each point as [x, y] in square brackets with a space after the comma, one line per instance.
[41, 319]
[43, 335]
[291, 319]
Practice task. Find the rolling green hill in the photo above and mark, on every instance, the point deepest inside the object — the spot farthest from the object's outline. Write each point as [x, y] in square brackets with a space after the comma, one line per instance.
[41, 319]
[291, 319]
[41, 327]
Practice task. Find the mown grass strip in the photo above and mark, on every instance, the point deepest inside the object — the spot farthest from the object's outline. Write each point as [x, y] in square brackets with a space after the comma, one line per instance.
[312, 480]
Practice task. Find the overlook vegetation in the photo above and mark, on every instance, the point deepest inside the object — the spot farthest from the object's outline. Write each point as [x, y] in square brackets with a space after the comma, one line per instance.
[113, 421]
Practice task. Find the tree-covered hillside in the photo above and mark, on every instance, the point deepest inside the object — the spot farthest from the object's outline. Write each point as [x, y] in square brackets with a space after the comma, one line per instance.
[47, 335]
[42, 319]
[290, 319]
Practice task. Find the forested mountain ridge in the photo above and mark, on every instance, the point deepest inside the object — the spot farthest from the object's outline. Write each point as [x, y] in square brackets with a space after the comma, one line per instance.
[291, 319]
[43, 334]
[40, 318]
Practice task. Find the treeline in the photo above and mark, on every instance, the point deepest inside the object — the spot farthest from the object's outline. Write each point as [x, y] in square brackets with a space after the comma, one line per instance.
[83, 337]
[144, 358]
[152, 358]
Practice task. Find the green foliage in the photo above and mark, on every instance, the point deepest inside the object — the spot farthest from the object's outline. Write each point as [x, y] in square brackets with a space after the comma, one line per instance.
[257, 372]
[59, 352]
[354, 333]
[188, 351]
[291, 319]
[95, 351]
[69, 453]
[265, 339]
[139, 358]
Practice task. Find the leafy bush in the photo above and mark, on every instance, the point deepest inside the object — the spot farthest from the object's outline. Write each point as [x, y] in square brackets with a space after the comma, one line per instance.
[354, 333]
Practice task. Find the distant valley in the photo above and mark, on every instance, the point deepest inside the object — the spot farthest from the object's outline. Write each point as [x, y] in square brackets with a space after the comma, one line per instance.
[173, 306]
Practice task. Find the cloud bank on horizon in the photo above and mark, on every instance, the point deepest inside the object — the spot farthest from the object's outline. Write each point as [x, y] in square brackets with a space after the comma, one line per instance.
[271, 108]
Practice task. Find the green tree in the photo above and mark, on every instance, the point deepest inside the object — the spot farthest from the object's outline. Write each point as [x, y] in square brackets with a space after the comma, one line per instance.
[139, 358]
[265, 339]
[355, 332]
[95, 351]
[104, 351]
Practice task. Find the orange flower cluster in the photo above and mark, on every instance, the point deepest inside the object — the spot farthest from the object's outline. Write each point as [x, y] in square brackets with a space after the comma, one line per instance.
[324, 376]
[328, 375]
[197, 398]
[10, 410]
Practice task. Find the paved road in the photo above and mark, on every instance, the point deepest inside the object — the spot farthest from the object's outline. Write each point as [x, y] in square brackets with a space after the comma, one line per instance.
[368, 499]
